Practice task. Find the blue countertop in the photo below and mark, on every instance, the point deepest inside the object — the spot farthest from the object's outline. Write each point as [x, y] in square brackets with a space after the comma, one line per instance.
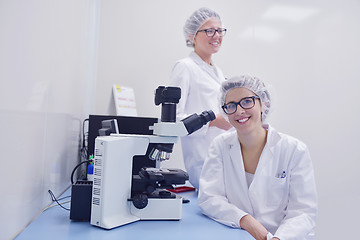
[55, 223]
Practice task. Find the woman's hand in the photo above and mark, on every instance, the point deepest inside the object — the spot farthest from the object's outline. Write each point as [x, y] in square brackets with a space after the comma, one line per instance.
[254, 227]
[220, 122]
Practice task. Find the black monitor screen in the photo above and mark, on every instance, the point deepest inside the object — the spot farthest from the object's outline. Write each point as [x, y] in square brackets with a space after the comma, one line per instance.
[127, 125]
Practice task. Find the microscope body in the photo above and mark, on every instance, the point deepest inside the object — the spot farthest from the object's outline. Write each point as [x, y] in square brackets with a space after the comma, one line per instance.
[112, 186]
[122, 194]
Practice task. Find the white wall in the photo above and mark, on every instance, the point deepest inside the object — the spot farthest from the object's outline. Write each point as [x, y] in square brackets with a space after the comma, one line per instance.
[47, 62]
[307, 50]
[59, 60]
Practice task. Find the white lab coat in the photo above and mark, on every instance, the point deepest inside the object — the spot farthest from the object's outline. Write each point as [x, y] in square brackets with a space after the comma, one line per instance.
[200, 86]
[282, 195]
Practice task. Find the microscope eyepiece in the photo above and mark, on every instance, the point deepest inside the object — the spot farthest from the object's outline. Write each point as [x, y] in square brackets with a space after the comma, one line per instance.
[207, 116]
[195, 122]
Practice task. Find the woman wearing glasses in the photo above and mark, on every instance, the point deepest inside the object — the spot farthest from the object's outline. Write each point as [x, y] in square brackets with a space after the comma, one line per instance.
[256, 178]
[199, 80]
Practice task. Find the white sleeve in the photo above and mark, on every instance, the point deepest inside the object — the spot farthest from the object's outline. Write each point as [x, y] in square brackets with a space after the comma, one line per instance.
[269, 236]
[212, 197]
[181, 77]
[302, 207]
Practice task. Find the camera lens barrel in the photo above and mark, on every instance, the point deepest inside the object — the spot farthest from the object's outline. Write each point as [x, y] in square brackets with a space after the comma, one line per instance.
[168, 112]
[168, 97]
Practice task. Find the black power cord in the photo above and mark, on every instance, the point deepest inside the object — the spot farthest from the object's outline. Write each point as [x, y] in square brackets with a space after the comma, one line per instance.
[83, 155]
[84, 144]
[76, 167]
[53, 198]
[83, 151]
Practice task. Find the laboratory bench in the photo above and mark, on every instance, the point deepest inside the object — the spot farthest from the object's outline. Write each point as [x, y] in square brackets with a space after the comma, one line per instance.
[54, 223]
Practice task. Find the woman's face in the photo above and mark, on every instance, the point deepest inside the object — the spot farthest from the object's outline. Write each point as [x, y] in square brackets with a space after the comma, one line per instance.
[244, 120]
[208, 45]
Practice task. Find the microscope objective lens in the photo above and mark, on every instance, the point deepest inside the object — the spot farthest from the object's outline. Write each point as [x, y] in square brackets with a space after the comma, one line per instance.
[154, 155]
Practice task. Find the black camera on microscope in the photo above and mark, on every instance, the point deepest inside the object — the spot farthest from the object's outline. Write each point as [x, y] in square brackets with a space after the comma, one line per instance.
[168, 97]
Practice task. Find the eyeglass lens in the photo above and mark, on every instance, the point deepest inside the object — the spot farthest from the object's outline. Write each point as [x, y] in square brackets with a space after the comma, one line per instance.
[210, 32]
[245, 103]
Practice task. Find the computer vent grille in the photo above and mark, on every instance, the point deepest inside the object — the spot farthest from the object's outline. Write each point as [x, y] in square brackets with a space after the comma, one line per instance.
[96, 201]
[96, 191]
[98, 162]
[97, 172]
[97, 181]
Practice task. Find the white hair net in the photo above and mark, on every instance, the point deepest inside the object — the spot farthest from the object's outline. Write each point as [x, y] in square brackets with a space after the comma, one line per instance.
[195, 21]
[255, 85]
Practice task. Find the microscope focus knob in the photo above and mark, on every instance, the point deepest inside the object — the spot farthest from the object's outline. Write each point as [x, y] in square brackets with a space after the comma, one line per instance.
[140, 201]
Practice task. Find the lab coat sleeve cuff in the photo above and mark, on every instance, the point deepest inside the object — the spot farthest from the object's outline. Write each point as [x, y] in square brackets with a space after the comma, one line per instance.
[269, 236]
[241, 214]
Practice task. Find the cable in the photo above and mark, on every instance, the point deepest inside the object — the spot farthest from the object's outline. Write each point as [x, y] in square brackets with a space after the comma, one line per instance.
[53, 198]
[84, 147]
[83, 155]
[63, 198]
[83, 152]
[85, 120]
[73, 172]
[54, 205]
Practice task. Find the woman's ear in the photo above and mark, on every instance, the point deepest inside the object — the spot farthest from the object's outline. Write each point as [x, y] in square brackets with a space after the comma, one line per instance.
[193, 36]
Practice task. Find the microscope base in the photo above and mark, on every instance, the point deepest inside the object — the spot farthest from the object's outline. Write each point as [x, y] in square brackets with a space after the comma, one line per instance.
[160, 209]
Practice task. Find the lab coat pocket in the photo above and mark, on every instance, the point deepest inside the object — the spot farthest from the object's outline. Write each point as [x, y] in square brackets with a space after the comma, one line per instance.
[276, 191]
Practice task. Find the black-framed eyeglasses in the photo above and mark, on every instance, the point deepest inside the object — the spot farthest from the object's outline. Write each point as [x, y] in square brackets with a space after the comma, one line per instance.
[210, 32]
[245, 103]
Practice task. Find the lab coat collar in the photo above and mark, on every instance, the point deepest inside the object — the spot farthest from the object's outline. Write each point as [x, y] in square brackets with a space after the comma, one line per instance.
[211, 70]
[198, 60]
[273, 137]
[268, 153]
[237, 162]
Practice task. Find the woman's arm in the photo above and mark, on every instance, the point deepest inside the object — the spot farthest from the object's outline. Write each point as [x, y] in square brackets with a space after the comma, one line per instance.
[220, 122]
[212, 197]
[180, 77]
[254, 227]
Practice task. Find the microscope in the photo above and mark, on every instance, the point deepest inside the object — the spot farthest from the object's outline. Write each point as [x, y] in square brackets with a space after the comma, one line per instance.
[126, 189]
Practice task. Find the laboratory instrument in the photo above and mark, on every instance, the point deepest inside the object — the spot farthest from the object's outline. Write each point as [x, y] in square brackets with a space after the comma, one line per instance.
[120, 195]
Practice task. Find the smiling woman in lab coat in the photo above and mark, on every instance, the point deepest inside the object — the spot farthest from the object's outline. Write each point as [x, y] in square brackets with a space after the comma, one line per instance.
[256, 178]
[199, 80]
